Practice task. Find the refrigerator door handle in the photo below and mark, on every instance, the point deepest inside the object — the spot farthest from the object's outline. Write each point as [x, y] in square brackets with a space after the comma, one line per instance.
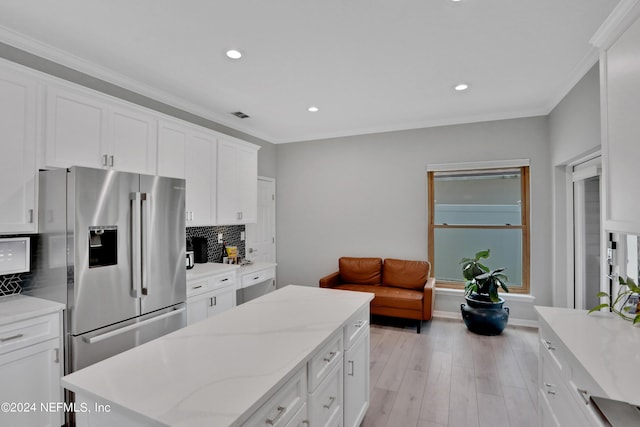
[124, 329]
[136, 255]
[144, 235]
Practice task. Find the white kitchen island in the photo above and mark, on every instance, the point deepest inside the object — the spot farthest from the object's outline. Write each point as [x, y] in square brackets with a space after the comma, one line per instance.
[277, 360]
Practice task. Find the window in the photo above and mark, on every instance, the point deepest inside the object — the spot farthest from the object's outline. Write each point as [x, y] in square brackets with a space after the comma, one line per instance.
[478, 209]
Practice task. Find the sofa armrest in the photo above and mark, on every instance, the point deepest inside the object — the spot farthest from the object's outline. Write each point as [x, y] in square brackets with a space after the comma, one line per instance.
[331, 280]
[429, 298]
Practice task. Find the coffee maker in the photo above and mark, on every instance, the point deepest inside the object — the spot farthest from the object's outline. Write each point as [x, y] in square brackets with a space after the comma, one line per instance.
[200, 249]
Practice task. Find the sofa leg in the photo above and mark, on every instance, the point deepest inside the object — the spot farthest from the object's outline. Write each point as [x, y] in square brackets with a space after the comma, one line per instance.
[419, 325]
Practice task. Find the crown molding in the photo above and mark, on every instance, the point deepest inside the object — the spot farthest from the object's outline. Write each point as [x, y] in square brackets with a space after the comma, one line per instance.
[66, 59]
[623, 15]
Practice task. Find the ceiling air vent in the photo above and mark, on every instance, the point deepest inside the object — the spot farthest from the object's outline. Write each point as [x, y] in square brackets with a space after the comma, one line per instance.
[240, 115]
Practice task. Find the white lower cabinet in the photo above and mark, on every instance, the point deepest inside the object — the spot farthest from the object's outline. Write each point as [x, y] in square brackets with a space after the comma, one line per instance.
[30, 371]
[356, 380]
[283, 404]
[209, 296]
[300, 419]
[564, 386]
[326, 402]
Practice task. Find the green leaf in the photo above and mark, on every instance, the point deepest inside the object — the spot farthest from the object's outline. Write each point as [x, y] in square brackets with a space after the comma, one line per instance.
[603, 295]
[636, 319]
[482, 254]
[632, 285]
[598, 308]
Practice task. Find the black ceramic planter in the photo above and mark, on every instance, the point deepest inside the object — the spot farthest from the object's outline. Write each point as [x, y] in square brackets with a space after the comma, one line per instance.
[483, 316]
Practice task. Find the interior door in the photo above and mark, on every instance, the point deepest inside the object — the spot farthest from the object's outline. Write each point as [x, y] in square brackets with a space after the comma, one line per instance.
[261, 236]
[164, 275]
[587, 233]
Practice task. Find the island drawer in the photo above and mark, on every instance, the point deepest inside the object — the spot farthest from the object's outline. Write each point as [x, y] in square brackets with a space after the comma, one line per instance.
[326, 403]
[282, 405]
[324, 360]
[356, 324]
[28, 332]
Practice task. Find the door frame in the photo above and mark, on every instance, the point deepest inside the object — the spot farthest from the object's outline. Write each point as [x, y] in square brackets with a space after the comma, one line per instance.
[572, 232]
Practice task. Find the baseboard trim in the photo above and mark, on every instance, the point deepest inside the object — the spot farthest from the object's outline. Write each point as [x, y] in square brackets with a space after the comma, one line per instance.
[513, 322]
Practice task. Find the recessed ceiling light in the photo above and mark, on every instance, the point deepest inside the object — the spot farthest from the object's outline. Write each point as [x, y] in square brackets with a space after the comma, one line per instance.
[461, 87]
[234, 54]
[313, 109]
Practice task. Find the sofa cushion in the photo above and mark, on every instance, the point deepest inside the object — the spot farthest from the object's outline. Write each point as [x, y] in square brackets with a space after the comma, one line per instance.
[398, 298]
[361, 271]
[405, 274]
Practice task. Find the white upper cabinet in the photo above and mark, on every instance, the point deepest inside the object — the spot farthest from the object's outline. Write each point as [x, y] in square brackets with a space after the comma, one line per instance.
[237, 182]
[620, 89]
[18, 170]
[172, 141]
[200, 177]
[84, 128]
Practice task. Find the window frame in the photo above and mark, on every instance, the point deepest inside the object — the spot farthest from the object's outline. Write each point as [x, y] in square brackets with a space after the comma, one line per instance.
[524, 226]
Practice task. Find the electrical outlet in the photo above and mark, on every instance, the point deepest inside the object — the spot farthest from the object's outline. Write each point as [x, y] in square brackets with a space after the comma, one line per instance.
[220, 238]
[242, 236]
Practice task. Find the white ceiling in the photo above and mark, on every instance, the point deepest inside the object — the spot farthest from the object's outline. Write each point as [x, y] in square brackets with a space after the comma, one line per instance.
[369, 65]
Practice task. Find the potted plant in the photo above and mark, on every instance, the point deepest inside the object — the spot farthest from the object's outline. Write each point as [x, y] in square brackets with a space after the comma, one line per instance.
[483, 313]
[625, 304]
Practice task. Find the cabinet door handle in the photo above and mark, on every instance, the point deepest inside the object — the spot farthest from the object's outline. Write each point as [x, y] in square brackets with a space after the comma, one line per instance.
[331, 400]
[104, 160]
[30, 216]
[56, 355]
[13, 337]
[359, 323]
[239, 215]
[111, 162]
[332, 354]
[352, 368]
[549, 385]
[584, 394]
[551, 392]
[549, 345]
[281, 410]
[197, 287]
[225, 279]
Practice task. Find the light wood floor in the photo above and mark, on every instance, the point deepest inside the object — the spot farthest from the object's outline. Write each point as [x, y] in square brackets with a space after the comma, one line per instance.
[447, 376]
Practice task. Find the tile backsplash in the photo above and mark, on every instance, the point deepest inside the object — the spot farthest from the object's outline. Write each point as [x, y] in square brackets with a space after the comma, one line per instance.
[230, 234]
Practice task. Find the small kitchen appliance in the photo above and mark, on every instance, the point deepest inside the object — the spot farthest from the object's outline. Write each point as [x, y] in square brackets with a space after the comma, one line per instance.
[200, 249]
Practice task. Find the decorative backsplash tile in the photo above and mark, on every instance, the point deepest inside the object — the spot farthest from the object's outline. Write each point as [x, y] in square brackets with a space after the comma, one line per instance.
[230, 234]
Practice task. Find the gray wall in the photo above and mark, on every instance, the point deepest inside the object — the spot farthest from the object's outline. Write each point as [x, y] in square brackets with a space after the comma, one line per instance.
[366, 195]
[266, 155]
[574, 131]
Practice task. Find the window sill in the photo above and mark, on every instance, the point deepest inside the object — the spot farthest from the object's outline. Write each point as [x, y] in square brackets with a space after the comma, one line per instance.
[506, 296]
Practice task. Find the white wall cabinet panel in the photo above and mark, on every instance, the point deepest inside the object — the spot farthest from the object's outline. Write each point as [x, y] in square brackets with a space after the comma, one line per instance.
[237, 174]
[75, 130]
[172, 142]
[621, 84]
[133, 140]
[200, 176]
[18, 170]
[86, 129]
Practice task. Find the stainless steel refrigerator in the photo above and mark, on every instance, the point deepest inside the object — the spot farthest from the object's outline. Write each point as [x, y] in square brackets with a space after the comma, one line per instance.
[112, 248]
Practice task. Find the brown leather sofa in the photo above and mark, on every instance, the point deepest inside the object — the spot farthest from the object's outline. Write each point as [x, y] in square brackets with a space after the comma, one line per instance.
[402, 288]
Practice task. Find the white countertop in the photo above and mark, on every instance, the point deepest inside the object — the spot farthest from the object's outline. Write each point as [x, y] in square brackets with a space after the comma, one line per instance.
[219, 371]
[606, 346]
[14, 308]
[211, 268]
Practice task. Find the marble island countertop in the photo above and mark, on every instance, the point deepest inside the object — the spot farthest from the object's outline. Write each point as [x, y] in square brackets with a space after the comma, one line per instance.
[219, 371]
[606, 346]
